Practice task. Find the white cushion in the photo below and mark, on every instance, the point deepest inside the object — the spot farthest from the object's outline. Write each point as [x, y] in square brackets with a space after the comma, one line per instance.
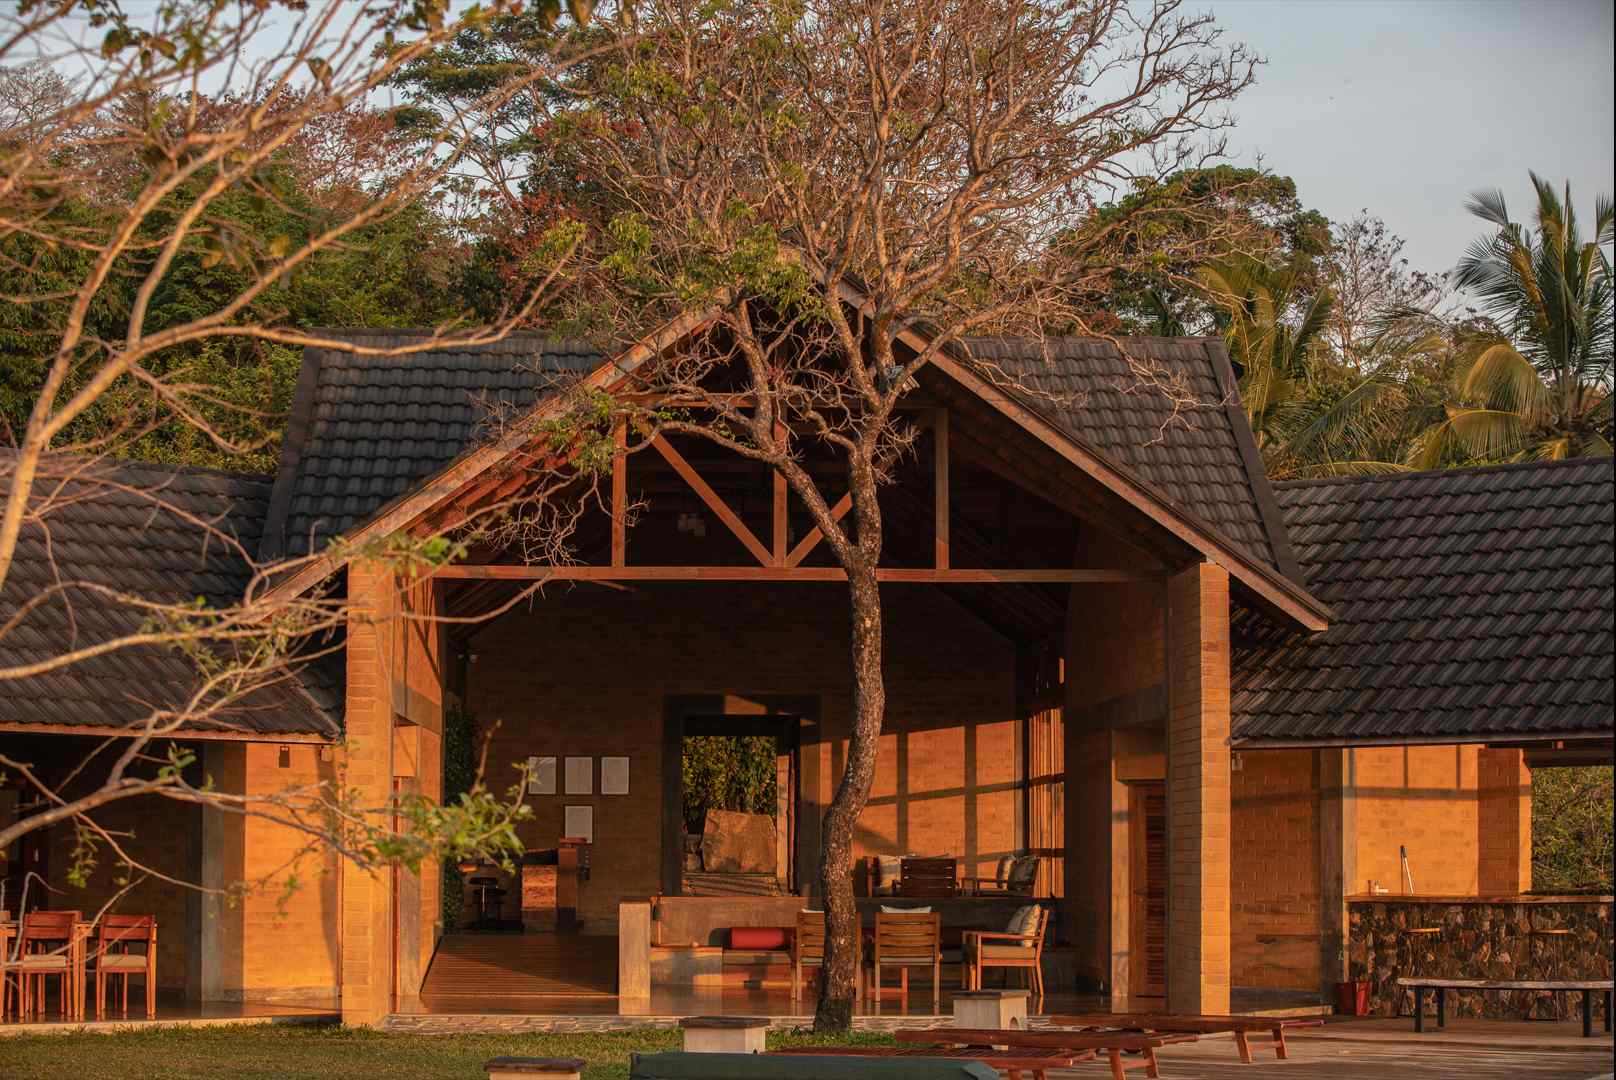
[906, 910]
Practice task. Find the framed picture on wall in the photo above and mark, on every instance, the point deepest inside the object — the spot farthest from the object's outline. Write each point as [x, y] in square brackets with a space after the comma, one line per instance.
[614, 776]
[541, 776]
[580, 776]
[579, 821]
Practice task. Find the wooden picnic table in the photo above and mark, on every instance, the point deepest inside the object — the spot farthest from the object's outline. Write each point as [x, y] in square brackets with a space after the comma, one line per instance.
[1242, 1027]
[1012, 1061]
[1588, 987]
[1123, 1049]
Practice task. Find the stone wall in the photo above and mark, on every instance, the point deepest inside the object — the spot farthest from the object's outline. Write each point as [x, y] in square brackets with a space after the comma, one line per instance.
[1480, 938]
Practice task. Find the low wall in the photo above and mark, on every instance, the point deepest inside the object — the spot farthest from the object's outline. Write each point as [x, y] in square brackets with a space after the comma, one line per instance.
[702, 920]
[1480, 938]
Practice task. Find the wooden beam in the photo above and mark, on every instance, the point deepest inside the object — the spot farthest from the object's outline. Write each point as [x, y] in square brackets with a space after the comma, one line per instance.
[939, 437]
[780, 505]
[620, 493]
[811, 541]
[517, 572]
[714, 503]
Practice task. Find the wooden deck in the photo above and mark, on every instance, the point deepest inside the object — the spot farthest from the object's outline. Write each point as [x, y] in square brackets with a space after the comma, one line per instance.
[470, 970]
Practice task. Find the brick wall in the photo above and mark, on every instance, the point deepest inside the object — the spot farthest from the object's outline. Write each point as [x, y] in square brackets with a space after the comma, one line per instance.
[1198, 791]
[1503, 822]
[1274, 870]
[1422, 798]
[586, 671]
[277, 940]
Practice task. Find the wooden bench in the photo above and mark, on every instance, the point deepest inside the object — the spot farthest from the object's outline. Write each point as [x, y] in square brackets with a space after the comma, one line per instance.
[1589, 988]
[1123, 1049]
[1242, 1027]
[1012, 1061]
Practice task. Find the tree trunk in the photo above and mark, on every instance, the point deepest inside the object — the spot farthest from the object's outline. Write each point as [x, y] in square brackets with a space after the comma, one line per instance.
[834, 1013]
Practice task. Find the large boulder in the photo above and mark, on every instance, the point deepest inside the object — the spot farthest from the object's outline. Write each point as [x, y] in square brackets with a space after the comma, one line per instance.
[737, 843]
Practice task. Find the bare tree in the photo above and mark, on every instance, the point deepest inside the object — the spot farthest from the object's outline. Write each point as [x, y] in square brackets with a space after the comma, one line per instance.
[120, 140]
[849, 191]
[1369, 277]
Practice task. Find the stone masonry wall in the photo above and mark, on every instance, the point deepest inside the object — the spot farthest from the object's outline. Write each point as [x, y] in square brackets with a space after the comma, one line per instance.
[1485, 939]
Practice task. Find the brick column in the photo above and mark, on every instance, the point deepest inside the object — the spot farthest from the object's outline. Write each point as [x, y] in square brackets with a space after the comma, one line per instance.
[367, 914]
[1503, 823]
[1198, 791]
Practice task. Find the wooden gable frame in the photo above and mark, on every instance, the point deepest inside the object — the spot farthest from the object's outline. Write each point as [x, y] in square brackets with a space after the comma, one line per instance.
[486, 473]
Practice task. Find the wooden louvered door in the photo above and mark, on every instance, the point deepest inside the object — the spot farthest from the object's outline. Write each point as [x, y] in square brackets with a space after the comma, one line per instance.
[1147, 920]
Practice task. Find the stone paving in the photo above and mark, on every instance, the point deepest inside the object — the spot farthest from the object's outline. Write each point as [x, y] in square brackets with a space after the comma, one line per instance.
[516, 1023]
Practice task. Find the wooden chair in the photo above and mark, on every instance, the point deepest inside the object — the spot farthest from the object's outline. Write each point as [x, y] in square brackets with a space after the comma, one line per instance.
[904, 940]
[1014, 948]
[49, 943]
[929, 876]
[114, 935]
[1016, 876]
[807, 948]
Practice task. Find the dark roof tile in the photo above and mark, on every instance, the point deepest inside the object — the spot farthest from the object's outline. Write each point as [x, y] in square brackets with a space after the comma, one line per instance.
[1469, 603]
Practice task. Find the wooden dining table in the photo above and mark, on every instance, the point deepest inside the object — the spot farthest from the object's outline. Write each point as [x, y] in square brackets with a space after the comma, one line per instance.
[77, 943]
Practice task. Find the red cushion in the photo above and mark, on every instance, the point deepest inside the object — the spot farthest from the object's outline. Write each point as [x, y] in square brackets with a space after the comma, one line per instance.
[759, 937]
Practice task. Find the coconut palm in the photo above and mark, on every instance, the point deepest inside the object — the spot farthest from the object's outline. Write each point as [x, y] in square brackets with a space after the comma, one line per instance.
[1303, 406]
[1544, 390]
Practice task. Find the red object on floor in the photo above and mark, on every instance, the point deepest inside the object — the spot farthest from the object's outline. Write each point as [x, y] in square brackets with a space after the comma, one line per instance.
[760, 937]
[1352, 998]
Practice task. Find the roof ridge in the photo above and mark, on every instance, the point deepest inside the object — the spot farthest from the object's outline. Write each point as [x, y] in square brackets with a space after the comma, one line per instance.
[157, 466]
[1458, 470]
[523, 336]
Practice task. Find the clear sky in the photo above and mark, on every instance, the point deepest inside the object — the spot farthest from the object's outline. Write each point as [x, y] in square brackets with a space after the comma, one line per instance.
[1405, 106]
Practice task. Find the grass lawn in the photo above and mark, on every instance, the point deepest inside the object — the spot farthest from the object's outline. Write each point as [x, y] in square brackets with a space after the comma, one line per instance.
[322, 1052]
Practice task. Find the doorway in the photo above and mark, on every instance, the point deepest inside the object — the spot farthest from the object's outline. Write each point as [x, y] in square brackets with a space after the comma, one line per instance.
[701, 734]
[1147, 915]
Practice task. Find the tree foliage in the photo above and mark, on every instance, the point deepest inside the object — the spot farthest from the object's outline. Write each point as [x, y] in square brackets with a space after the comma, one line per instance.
[728, 772]
[1572, 846]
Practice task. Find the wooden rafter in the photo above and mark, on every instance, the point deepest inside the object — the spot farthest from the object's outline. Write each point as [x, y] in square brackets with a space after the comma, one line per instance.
[620, 493]
[714, 503]
[811, 541]
[939, 438]
[989, 576]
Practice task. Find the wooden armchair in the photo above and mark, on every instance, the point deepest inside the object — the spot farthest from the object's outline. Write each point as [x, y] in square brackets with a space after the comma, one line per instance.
[114, 936]
[929, 876]
[1016, 875]
[904, 940]
[1021, 946]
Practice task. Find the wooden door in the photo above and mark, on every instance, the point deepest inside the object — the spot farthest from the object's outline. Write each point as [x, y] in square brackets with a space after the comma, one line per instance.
[1147, 919]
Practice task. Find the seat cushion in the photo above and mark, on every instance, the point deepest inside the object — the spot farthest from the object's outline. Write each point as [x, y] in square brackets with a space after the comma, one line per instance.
[995, 950]
[1024, 921]
[760, 937]
[121, 962]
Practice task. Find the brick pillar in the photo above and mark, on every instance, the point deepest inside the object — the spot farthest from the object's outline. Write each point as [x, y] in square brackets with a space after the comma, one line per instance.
[367, 912]
[1503, 823]
[1198, 791]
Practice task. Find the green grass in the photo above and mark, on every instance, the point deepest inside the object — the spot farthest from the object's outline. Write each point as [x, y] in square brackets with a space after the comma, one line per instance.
[325, 1053]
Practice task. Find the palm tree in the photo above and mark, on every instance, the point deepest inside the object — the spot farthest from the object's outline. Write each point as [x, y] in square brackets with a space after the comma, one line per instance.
[1545, 390]
[1302, 405]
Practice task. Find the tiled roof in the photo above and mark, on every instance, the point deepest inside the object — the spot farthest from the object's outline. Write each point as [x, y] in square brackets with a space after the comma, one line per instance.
[365, 429]
[1470, 603]
[1202, 459]
[137, 529]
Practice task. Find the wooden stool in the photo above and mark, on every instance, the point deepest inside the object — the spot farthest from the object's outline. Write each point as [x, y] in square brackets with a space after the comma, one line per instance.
[521, 1068]
[1416, 936]
[991, 1009]
[724, 1034]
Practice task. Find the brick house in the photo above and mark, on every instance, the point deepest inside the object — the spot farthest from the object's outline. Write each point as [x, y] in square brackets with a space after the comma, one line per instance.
[1216, 707]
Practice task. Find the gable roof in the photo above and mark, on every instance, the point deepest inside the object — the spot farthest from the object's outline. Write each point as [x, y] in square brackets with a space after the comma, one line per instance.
[1203, 458]
[1472, 605]
[365, 429]
[374, 439]
[130, 527]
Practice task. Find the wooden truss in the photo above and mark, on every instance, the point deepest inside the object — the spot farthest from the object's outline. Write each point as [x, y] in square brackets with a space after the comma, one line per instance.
[776, 561]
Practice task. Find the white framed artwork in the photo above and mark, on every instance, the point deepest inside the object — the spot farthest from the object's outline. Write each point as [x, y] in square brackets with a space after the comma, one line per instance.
[579, 821]
[580, 776]
[541, 776]
[614, 776]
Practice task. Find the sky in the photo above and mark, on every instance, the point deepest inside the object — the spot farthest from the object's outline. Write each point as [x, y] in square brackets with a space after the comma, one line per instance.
[1403, 107]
